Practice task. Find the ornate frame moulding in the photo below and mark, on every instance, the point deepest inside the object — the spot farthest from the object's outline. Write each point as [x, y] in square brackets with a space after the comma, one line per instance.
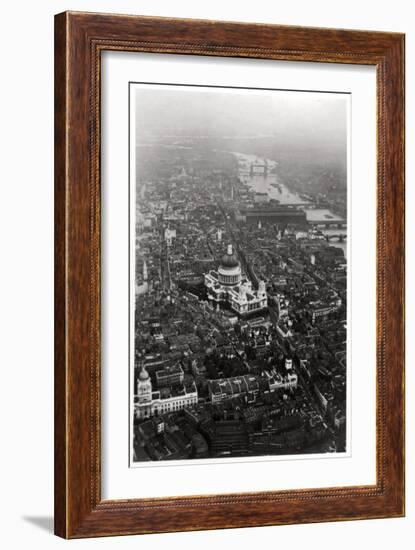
[79, 40]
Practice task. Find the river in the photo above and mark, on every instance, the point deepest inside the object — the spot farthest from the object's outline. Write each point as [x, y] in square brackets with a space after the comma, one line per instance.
[271, 184]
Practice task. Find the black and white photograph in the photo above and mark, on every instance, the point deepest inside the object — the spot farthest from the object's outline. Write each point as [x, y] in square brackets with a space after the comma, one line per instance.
[207, 284]
[239, 272]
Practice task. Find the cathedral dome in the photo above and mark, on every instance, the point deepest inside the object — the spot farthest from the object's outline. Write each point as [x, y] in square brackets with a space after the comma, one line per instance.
[229, 260]
[229, 272]
[143, 376]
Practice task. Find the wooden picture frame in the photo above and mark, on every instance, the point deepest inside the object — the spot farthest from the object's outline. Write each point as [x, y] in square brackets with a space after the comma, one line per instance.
[79, 40]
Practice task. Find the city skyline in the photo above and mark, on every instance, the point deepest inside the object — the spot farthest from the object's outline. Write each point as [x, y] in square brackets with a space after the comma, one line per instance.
[240, 274]
[302, 119]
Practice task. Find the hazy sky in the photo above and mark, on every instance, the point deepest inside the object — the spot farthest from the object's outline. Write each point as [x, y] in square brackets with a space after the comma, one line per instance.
[304, 116]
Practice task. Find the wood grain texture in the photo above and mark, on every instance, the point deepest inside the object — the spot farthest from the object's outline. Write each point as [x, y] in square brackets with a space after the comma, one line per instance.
[79, 40]
[60, 277]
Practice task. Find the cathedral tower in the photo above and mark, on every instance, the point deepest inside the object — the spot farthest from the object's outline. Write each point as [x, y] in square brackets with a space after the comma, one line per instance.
[144, 393]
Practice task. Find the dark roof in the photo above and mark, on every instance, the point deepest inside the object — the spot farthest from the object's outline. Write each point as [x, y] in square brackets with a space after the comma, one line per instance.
[229, 261]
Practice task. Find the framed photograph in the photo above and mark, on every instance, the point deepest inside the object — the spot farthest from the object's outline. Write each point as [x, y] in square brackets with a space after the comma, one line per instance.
[229, 275]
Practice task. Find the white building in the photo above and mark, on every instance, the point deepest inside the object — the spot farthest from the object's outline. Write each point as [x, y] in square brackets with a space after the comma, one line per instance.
[169, 235]
[226, 285]
[142, 288]
[285, 381]
[153, 403]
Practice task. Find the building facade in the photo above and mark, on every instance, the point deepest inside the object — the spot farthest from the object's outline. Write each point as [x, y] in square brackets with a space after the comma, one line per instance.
[224, 389]
[170, 376]
[279, 214]
[150, 403]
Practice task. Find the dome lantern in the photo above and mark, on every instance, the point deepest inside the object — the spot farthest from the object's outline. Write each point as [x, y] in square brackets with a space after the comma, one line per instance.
[229, 271]
[143, 376]
[229, 260]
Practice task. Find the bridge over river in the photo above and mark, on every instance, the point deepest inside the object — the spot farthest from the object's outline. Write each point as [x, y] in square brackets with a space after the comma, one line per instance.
[341, 237]
[340, 224]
